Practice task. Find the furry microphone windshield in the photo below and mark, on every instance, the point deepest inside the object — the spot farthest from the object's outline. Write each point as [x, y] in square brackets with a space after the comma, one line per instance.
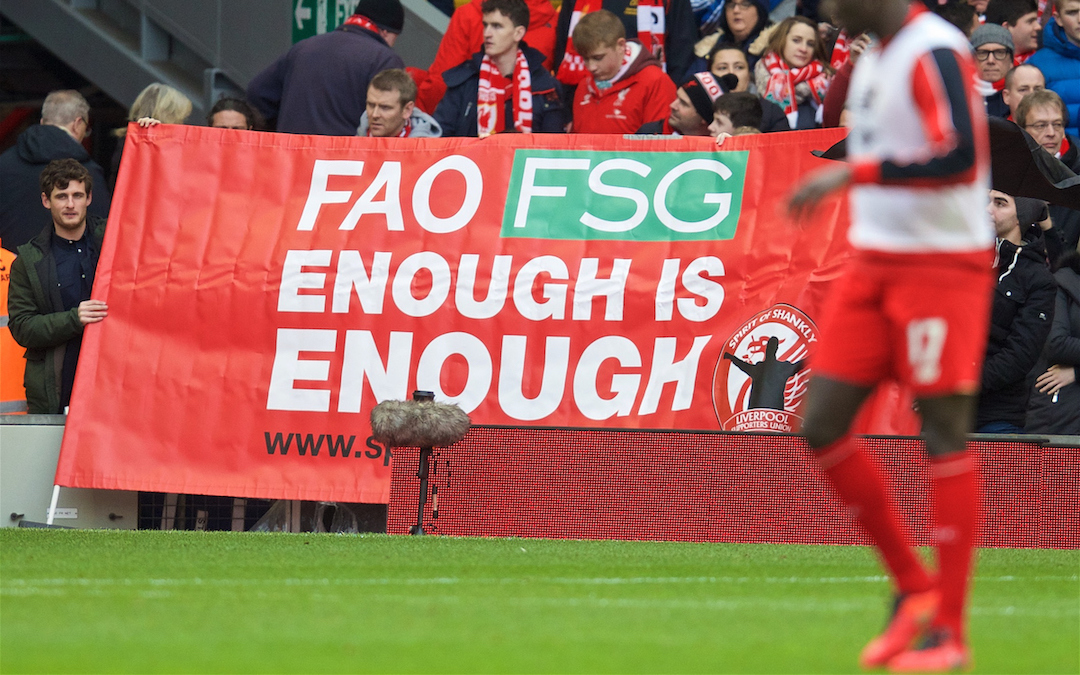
[418, 424]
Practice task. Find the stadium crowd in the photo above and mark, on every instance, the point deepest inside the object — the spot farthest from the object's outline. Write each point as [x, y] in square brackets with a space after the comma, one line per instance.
[674, 67]
[717, 68]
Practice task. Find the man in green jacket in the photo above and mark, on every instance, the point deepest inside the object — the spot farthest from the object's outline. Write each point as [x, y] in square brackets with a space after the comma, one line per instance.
[49, 300]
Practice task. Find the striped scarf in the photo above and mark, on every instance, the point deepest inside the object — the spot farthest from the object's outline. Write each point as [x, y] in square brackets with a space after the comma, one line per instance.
[363, 22]
[841, 51]
[782, 80]
[630, 53]
[651, 28]
[572, 69]
[491, 97]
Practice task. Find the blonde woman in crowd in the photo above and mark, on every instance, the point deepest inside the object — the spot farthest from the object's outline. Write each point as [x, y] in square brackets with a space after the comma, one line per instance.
[157, 104]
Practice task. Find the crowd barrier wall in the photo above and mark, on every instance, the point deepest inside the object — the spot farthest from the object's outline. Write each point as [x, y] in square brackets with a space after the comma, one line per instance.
[717, 487]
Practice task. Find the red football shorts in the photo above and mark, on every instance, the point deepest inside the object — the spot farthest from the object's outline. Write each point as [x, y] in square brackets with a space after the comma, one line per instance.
[919, 319]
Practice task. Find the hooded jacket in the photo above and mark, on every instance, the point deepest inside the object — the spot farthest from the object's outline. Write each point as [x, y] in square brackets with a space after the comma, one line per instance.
[456, 113]
[21, 215]
[1061, 414]
[37, 317]
[421, 125]
[642, 94]
[1059, 61]
[1020, 318]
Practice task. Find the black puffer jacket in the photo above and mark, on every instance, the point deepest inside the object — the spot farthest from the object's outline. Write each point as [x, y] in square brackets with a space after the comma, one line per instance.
[1061, 416]
[1019, 323]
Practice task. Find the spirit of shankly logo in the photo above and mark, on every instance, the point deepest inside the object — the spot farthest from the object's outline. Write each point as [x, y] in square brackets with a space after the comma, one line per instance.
[761, 376]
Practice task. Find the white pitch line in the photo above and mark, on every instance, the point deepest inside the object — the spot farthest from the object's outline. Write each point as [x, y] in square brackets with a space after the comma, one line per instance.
[716, 605]
[493, 581]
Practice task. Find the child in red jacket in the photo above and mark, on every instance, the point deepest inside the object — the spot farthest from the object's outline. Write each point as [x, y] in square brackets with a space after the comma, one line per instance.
[626, 87]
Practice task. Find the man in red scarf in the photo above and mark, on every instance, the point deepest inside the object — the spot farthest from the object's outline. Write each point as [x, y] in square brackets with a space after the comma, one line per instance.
[465, 35]
[1021, 19]
[391, 109]
[505, 87]
[1043, 115]
[993, 58]
[1019, 82]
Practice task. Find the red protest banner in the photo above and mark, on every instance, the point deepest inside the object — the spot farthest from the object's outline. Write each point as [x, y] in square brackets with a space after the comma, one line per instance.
[266, 290]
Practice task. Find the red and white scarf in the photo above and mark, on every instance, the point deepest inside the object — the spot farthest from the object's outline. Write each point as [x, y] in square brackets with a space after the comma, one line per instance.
[630, 53]
[363, 22]
[986, 89]
[841, 51]
[491, 97]
[652, 33]
[572, 69]
[651, 28]
[782, 80]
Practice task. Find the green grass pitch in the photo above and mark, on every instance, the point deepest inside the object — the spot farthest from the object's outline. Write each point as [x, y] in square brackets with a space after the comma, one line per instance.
[124, 602]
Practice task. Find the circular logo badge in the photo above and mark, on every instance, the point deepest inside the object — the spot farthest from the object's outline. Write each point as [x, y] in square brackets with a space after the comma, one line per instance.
[761, 376]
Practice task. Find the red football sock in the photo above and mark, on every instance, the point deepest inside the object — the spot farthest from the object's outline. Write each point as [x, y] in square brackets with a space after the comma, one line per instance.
[858, 482]
[955, 511]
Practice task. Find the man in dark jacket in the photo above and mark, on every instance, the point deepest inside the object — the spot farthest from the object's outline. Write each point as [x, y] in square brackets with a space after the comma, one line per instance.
[1055, 400]
[64, 122]
[49, 300]
[486, 94]
[1020, 318]
[1043, 115]
[320, 85]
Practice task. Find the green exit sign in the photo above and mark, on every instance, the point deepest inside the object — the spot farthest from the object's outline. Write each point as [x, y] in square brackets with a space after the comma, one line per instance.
[314, 17]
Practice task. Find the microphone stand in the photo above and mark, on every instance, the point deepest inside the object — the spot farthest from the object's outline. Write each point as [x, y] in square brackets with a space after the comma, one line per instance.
[420, 423]
[422, 474]
[422, 471]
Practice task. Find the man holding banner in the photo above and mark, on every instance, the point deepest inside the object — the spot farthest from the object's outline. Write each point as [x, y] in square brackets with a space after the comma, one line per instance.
[49, 300]
[913, 307]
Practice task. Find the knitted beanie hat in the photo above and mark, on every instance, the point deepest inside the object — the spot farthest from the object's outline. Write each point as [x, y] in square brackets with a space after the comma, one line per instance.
[1030, 211]
[704, 88]
[991, 33]
[386, 14]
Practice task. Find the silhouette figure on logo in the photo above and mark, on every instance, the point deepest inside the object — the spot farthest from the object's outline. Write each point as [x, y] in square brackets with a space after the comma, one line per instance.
[769, 377]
